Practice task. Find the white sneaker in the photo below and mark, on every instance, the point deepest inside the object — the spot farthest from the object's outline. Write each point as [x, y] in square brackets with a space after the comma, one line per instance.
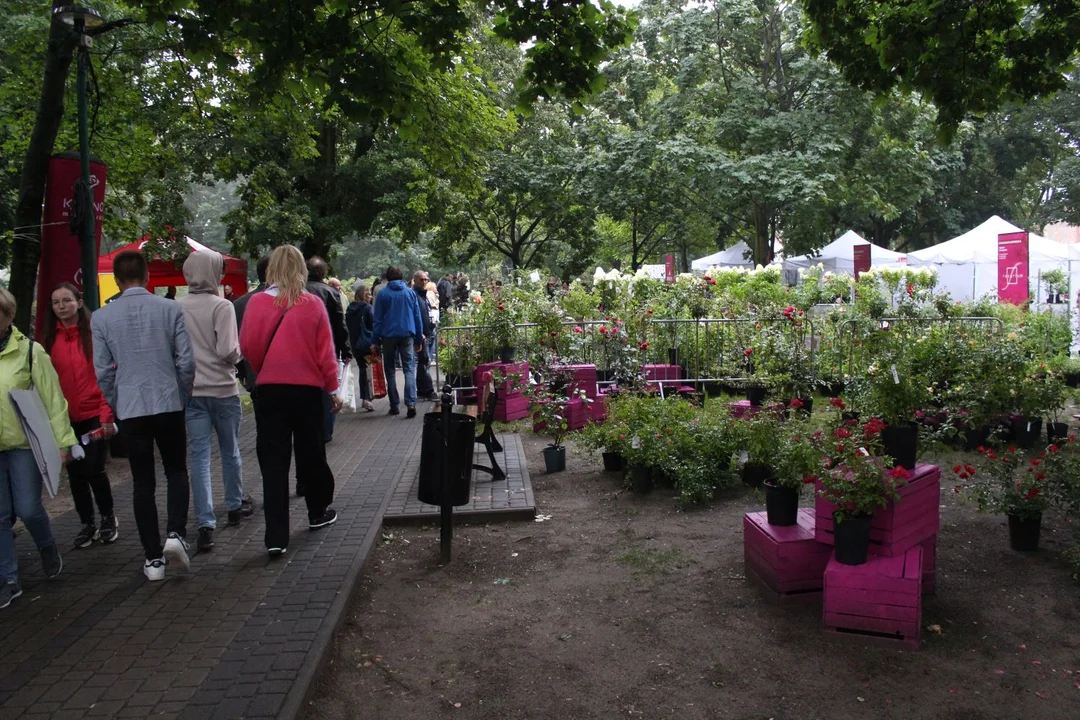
[154, 569]
[176, 552]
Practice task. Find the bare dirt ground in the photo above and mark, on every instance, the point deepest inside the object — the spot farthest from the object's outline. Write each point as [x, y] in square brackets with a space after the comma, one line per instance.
[616, 605]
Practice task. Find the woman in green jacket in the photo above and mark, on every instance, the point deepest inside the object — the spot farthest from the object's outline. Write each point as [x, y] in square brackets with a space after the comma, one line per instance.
[20, 479]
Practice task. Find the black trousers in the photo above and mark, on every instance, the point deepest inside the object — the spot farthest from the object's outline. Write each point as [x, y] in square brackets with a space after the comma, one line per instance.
[89, 474]
[288, 416]
[169, 432]
[424, 385]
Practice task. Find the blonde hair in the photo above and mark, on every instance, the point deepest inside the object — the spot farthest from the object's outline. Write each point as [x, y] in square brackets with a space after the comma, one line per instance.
[7, 304]
[288, 271]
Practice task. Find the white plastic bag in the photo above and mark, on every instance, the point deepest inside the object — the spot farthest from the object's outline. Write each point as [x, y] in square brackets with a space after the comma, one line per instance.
[347, 387]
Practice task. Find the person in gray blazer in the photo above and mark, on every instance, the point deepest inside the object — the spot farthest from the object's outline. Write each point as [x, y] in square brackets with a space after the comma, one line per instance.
[146, 370]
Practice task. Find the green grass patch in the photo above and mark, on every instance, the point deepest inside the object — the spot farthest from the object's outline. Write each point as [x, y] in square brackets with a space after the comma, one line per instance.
[655, 562]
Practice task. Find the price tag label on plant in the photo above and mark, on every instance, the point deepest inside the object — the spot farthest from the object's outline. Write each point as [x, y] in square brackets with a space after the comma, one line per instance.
[895, 375]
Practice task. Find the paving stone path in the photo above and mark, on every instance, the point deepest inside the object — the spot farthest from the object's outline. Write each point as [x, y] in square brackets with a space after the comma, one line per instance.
[240, 635]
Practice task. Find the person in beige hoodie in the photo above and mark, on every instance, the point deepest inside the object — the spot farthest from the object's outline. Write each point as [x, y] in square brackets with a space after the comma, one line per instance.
[215, 401]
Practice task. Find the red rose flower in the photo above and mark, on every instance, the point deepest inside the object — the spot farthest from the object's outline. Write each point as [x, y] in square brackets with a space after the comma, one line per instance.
[1032, 494]
[796, 403]
[898, 473]
[748, 352]
[643, 346]
[837, 403]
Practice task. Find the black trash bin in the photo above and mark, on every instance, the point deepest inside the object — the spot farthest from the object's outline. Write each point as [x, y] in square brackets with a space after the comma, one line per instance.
[462, 440]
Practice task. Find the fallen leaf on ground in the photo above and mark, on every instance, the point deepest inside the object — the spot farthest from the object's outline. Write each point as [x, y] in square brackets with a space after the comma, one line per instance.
[935, 629]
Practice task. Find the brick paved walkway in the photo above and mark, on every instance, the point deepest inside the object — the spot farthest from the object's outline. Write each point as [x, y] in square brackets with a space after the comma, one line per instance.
[240, 636]
[509, 499]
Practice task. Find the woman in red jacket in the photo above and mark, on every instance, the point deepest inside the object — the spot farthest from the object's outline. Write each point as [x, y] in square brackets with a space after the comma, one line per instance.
[67, 340]
[286, 338]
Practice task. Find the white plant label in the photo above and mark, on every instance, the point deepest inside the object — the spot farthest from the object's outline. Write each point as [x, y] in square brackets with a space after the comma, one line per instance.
[895, 375]
[744, 456]
[635, 442]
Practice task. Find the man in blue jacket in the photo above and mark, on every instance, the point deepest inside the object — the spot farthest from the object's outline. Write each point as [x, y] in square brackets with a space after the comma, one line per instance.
[399, 331]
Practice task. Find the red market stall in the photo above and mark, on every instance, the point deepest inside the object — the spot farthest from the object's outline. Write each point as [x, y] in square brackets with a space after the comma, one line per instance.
[164, 273]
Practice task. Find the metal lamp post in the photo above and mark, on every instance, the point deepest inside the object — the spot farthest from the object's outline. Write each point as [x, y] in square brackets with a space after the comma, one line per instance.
[83, 18]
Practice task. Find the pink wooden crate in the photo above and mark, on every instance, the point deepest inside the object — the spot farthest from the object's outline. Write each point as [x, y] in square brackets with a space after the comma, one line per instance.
[596, 411]
[743, 409]
[663, 372]
[584, 378]
[787, 562]
[510, 409]
[507, 389]
[575, 414]
[901, 525]
[879, 600]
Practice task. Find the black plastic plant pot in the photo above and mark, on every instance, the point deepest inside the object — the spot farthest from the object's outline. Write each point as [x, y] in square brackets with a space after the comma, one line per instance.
[507, 354]
[1026, 431]
[641, 479]
[852, 537]
[1024, 534]
[555, 459]
[756, 395]
[755, 474]
[1057, 432]
[781, 504]
[613, 462]
[975, 437]
[901, 443]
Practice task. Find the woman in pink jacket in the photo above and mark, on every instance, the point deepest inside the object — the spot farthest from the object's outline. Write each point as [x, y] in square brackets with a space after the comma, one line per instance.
[286, 338]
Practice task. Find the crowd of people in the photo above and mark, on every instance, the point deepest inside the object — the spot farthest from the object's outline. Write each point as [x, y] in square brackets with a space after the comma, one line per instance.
[164, 371]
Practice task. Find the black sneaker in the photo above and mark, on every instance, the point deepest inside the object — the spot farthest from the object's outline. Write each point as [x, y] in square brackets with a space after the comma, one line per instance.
[412, 411]
[276, 552]
[329, 517]
[394, 411]
[51, 562]
[86, 536]
[300, 489]
[246, 509]
[9, 591]
[109, 529]
[205, 543]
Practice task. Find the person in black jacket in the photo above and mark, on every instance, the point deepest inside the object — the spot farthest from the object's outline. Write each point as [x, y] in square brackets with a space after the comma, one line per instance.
[425, 388]
[244, 371]
[446, 292]
[316, 285]
[360, 320]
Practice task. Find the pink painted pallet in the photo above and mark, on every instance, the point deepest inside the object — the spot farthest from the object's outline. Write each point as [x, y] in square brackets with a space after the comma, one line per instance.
[903, 524]
[510, 409]
[743, 409]
[510, 388]
[575, 413]
[584, 378]
[596, 411]
[880, 600]
[663, 372]
[787, 562]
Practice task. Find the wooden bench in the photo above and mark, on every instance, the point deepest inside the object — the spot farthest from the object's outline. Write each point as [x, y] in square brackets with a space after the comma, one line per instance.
[488, 398]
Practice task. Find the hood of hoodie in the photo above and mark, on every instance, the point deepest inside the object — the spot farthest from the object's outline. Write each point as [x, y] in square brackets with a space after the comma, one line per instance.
[203, 271]
[397, 286]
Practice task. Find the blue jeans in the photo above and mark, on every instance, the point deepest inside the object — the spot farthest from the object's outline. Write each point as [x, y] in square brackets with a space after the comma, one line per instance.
[399, 348]
[20, 494]
[204, 416]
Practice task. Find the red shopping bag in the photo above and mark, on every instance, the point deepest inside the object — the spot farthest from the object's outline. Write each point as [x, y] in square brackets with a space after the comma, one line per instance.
[378, 378]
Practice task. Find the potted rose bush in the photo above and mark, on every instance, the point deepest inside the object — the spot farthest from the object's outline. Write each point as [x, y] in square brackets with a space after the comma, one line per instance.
[857, 482]
[797, 463]
[1014, 483]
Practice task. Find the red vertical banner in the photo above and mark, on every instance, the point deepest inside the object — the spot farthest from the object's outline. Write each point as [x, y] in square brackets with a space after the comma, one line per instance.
[669, 268]
[861, 259]
[60, 259]
[1013, 268]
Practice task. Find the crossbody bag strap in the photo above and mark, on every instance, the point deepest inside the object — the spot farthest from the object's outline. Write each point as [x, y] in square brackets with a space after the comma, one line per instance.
[31, 354]
[272, 334]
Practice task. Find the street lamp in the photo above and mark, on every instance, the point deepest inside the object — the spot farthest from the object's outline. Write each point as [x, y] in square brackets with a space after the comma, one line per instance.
[83, 18]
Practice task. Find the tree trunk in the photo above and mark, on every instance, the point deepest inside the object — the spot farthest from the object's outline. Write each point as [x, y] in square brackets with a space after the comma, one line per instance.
[26, 247]
[761, 236]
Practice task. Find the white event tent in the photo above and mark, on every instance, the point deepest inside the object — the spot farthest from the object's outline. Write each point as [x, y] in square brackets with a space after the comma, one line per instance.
[839, 256]
[967, 264]
[734, 256]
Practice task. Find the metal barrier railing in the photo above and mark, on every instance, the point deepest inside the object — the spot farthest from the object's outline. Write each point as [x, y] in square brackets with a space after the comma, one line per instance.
[881, 324]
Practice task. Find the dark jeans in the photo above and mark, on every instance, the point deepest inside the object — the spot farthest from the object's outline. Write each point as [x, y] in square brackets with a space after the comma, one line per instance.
[89, 474]
[288, 415]
[364, 376]
[169, 432]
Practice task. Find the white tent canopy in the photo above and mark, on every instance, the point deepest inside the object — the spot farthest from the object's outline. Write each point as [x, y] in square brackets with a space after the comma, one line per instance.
[734, 256]
[967, 264]
[839, 256]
